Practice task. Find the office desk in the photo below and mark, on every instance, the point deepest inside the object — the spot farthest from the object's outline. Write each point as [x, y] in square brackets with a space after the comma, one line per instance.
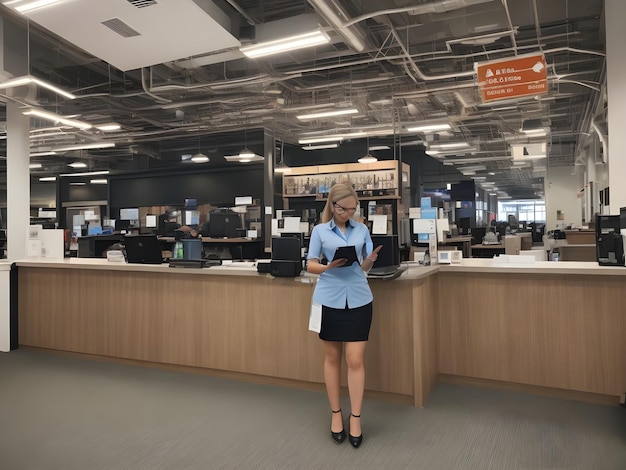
[487, 251]
[465, 242]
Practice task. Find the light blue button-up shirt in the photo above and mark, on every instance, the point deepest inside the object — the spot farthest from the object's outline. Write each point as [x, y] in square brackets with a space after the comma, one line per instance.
[346, 285]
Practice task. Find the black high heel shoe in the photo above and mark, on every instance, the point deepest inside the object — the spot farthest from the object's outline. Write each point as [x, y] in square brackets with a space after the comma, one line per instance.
[340, 436]
[355, 440]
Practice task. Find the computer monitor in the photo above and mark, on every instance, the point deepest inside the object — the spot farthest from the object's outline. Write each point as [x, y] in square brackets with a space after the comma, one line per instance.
[224, 224]
[191, 218]
[286, 249]
[298, 235]
[478, 233]
[464, 225]
[129, 214]
[389, 254]
[143, 249]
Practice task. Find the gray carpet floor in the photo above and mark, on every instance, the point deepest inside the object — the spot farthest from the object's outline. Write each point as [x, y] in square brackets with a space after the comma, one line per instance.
[66, 413]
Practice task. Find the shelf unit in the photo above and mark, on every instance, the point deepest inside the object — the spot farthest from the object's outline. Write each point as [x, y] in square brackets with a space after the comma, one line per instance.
[378, 181]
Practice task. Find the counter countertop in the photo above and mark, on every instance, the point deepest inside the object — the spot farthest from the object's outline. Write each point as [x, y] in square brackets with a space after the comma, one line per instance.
[248, 268]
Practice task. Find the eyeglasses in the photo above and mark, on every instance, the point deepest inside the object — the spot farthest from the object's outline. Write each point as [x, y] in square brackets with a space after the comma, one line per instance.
[341, 209]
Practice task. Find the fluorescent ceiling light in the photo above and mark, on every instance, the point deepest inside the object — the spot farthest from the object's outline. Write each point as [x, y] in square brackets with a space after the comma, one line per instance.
[87, 173]
[34, 4]
[315, 140]
[99, 181]
[78, 183]
[56, 118]
[290, 43]
[42, 154]
[450, 145]
[100, 145]
[109, 127]
[379, 147]
[322, 114]
[48, 178]
[319, 147]
[27, 80]
[77, 165]
[368, 159]
[429, 128]
[34, 166]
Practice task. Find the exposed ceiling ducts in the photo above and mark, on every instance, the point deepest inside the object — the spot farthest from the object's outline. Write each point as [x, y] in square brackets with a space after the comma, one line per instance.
[400, 63]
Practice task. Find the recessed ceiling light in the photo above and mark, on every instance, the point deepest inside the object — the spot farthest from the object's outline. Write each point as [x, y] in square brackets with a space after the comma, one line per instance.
[34, 166]
[48, 178]
[99, 181]
[77, 165]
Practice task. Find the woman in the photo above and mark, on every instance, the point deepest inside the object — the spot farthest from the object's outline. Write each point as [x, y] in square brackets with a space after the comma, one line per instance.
[346, 301]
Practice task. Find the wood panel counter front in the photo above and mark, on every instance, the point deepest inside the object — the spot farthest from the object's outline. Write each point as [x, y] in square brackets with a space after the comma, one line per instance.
[225, 319]
[559, 326]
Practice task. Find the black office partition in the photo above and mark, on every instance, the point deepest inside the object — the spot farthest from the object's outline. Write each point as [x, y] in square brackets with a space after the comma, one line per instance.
[215, 186]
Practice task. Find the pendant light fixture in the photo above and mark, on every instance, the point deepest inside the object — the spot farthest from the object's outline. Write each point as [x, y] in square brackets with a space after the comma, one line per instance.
[368, 157]
[281, 167]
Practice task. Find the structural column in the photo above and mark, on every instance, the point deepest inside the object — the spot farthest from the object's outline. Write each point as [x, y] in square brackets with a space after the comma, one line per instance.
[18, 181]
[18, 209]
[614, 13]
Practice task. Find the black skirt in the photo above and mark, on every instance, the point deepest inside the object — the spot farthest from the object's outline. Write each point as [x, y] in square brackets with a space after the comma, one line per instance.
[346, 324]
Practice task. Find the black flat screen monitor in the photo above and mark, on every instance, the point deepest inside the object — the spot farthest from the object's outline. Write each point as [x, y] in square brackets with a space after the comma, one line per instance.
[286, 249]
[464, 225]
[143, 249]
[224, 224]
[389, 254]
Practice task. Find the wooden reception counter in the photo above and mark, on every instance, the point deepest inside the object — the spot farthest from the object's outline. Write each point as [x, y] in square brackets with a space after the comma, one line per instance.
[557, 326]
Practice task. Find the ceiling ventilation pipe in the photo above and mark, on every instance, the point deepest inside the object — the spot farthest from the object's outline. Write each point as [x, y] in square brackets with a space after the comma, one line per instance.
[336, 16]
[443, 6]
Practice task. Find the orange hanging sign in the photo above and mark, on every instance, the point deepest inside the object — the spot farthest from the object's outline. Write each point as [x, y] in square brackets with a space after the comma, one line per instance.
[511, 78]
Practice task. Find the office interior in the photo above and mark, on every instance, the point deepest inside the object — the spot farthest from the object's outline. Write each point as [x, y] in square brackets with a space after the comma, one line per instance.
[176, 141]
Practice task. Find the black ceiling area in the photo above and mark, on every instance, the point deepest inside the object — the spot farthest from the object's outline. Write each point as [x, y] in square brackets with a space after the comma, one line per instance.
[400, 63]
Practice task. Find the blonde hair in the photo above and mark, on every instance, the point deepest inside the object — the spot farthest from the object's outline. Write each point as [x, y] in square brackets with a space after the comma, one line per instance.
[337, 193]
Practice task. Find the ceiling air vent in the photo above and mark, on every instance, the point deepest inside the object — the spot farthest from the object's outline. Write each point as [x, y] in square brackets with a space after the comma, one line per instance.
[120, 28]
[141, 3]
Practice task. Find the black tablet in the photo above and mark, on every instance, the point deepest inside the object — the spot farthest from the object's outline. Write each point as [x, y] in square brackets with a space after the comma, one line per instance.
[347, 252]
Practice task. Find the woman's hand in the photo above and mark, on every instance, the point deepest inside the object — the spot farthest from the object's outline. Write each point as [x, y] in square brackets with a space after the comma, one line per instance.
[371, 259]
[336, 263]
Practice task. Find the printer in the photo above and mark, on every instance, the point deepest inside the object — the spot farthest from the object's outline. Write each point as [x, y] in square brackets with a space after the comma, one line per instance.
[286, 257]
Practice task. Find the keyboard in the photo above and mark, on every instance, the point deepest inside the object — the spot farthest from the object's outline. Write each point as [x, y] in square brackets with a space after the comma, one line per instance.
[387, 273]
[194, 263]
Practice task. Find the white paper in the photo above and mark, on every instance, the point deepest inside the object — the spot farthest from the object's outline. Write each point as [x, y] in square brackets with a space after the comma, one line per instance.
[424, 226]
[442, 226]
[252, 234]
[415, 212]
[292, 224]
[379, 224]
[52, 243]
[315, 317]
[268, 210]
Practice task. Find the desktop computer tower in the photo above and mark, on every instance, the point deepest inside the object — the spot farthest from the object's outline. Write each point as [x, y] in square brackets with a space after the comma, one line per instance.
[609, 241]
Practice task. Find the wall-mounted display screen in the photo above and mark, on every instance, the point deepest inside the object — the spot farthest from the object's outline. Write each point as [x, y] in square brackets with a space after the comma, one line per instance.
[243, 200]
[129, 214]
